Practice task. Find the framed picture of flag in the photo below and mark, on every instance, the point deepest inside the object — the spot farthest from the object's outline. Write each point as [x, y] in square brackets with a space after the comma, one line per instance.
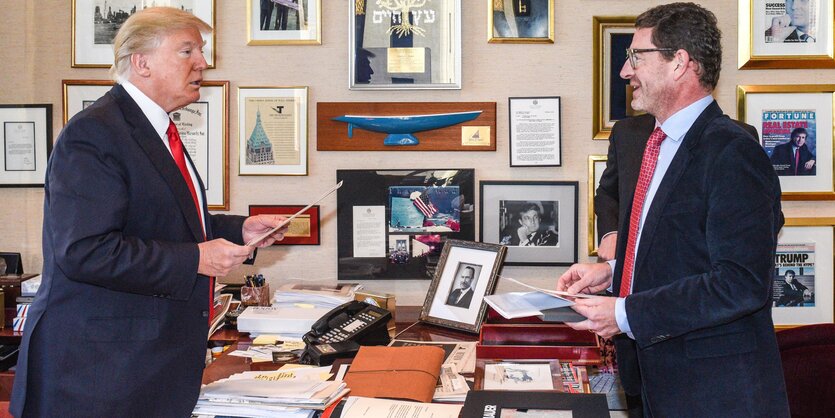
[392, 224]
[536, 220]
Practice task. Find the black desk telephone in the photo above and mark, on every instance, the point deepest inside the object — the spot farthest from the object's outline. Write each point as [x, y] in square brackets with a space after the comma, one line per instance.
[341, 332]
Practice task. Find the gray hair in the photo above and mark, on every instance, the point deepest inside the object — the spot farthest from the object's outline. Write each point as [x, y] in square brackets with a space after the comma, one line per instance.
[145, 30]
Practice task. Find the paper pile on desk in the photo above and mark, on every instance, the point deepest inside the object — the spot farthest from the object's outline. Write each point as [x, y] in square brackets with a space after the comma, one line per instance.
[291, 322]
[295, 392]
[314, 295]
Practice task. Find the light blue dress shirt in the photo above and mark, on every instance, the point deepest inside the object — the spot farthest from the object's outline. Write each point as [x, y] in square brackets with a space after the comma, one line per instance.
[675, 128]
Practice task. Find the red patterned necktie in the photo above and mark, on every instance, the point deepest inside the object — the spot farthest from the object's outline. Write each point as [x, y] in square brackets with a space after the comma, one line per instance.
[647, 169]
[796, 160]
[180, 159]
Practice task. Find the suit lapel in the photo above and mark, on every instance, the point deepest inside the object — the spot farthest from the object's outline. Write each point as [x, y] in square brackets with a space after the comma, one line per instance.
[145, 135]
[671, 177]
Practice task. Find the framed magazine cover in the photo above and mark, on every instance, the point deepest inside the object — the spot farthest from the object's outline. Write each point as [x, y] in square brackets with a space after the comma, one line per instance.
[303, 229]
[26, 141]
[95, 23]
[795, 127]
[272, 131]
[612, 95]
[467, 271]
[786, 34]
[284, 22]
[536, 220]
[520, 21]
[597, 163]
[392, 224]
[78, 94]
[803, 286]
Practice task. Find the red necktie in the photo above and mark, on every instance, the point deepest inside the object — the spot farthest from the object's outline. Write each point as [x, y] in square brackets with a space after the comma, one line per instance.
[796, 160]
[180, 159]
[647, 170]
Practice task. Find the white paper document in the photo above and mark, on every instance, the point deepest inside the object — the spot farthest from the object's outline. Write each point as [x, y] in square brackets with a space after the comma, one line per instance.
[369, 231]
[359, 407]
[521, 304]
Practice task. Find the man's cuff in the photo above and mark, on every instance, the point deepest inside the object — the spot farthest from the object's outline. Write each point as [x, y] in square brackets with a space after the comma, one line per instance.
[620, 317]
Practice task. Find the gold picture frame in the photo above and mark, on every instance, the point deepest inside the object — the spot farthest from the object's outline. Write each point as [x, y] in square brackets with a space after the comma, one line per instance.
[611, 35]
[527, 27]
[595, 171]
[805, 249]
[265, 29]
[78, 94]
[760, 49]
[778, 112]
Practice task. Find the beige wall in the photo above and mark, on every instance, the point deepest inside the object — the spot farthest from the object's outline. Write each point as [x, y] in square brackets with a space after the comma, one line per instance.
[35, 57]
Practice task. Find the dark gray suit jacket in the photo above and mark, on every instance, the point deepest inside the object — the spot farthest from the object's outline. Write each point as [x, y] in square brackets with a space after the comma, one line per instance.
[119, 325]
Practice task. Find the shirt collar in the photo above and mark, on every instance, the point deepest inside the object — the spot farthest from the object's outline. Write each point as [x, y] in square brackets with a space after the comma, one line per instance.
[154, 112]
[677, 125]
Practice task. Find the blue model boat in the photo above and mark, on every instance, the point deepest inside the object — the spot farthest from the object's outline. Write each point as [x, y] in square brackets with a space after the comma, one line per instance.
[400, 128]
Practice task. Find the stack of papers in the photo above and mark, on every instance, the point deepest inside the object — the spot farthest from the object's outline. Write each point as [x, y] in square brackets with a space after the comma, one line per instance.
[314, 295]
[521, 304]
[287, 392]
[290, 322]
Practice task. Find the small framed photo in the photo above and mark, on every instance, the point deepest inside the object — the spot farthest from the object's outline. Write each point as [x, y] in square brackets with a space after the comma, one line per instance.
[786, 34]
[467, 271]
[535, 132]
[612, 94]
[284, 22]
[795, 128]
[272, 131]
[303, 229]
[518, 375]
[597, 163]
[520, 21]
[96, 22]
[79, 94]
[26, 142]
[404, 45]
[537, 220]
[803, 287]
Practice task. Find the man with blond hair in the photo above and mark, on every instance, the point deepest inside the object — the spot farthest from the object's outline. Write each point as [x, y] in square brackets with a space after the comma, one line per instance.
[119, 325]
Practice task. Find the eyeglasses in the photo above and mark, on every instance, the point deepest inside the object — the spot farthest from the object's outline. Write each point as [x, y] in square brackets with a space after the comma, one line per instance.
[631, 52]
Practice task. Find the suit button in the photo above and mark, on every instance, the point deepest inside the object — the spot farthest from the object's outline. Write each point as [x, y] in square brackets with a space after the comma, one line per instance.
[205, 314]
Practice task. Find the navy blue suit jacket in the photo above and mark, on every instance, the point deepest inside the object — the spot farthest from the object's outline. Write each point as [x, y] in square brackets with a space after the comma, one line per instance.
[700, 309]
[119, 325]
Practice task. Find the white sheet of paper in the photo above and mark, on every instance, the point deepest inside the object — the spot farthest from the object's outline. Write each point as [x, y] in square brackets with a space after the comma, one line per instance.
[369, 231]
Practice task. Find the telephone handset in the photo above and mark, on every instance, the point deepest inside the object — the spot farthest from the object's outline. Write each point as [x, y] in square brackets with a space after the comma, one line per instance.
[343, 330]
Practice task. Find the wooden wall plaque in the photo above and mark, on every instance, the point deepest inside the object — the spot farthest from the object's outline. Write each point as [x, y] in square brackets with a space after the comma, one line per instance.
[478, 134]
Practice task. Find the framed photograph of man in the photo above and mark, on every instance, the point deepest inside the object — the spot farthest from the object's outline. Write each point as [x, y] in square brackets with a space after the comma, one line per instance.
[597, 163]
[803, 286]
[612, 95]
[786, 34]
[284, 22]
[272, 131]
[303, 229]
[467, 271]
[404, 44]
[795, 129]
[95, 23]
[537, 220]
[26, 144]
[520, 21]
[79, 94]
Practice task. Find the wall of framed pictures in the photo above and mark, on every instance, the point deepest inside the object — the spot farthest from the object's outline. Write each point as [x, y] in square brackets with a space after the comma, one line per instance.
[314, 50]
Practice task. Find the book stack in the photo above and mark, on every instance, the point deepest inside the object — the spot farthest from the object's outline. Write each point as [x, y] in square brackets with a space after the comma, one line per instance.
[297, 392]
[314, 295]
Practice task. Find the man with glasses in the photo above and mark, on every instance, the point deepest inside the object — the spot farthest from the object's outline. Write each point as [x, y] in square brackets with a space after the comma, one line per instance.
[695, 255]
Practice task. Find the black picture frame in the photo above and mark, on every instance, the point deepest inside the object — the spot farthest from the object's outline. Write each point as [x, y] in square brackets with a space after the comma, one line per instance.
[372, 190]
[503, 203]
[32, 168]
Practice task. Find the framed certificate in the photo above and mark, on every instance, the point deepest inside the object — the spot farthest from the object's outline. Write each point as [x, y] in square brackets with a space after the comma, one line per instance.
[96, 22]
[535, 131]
[272, 131]
[26, 144]
[303, 229]
[404, 44]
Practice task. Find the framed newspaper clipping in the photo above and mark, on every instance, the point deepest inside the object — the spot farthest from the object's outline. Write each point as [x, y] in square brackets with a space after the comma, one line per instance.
[795, 127]
[272, 131]
[786, 34]
[612, 94]
[803, 285]
[95, 23]
[597, 163]
[284, 22]
[26, 142]
[520, 21]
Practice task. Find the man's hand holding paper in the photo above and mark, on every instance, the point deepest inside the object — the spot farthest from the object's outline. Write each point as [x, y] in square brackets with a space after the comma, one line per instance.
[600, 311]
[255, 226]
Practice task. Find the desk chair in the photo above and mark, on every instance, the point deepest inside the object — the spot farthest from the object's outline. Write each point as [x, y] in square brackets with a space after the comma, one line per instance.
[808, 355]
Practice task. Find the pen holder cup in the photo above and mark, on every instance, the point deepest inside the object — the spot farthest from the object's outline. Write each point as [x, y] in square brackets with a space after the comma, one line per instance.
[255, 295]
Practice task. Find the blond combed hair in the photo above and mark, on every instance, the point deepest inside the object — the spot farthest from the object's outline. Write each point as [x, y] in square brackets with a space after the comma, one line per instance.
[145, 30]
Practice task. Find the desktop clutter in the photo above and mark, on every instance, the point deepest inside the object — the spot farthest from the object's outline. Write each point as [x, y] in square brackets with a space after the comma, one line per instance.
[339, 360]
